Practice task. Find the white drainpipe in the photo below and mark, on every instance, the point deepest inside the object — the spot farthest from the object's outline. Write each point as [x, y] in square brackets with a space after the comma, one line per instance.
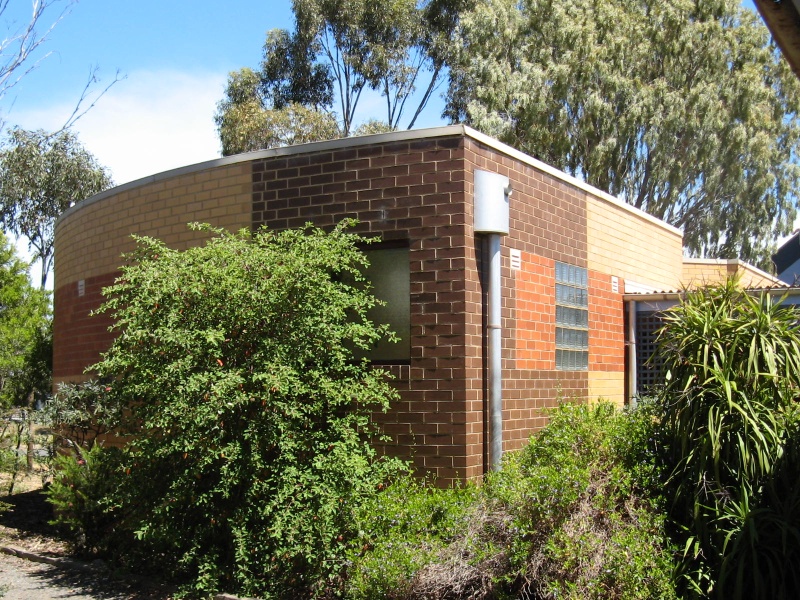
[492, 192]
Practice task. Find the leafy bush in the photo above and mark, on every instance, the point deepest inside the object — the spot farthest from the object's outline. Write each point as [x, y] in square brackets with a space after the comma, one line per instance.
[585, 500]
[82, 413]
[730, 423]
[401, 532]
[576, 514]
[236, 361]
[80, 495]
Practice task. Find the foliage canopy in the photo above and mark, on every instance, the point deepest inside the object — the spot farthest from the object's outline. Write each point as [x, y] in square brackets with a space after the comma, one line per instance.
[24, 331]
[683, 108]
[337, 50]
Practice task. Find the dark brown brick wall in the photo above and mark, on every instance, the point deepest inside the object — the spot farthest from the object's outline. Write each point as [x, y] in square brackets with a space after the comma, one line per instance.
[412, 191]
[548, 224]
[420, 192]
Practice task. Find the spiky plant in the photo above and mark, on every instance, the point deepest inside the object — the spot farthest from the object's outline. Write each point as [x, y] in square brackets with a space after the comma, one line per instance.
[730, 426]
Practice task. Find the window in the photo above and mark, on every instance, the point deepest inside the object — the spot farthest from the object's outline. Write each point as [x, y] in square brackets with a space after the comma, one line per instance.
[572, 318]
[389, 274]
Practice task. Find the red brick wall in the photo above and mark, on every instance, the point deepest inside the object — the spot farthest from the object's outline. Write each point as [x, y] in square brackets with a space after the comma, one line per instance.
[78, 338]
[535, 340]
[606, 324]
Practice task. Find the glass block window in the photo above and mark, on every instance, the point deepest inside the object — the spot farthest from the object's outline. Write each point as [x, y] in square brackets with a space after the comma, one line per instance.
[572, 318]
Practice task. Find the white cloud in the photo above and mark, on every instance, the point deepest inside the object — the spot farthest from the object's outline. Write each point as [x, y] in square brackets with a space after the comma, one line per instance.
[150, 122]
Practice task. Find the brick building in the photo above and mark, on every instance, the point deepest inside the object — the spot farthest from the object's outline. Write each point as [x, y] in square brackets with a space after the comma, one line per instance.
[571, 254]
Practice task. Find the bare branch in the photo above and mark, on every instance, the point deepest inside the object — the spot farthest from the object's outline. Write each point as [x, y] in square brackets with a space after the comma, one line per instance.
[79, 110]
[19, 44]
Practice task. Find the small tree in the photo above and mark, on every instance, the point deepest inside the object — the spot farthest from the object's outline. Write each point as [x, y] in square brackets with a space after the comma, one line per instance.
[245, 125]
[731, 428]
[24, 331]
[311, 79]
[41, 175]
[236, 360]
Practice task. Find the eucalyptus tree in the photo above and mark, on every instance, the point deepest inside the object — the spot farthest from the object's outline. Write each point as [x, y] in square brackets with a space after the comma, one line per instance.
[244, 123]
[41, 175]
[337, 50]
[682, 108]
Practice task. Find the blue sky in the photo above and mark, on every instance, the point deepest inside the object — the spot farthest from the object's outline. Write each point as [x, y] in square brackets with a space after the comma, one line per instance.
[175, 56]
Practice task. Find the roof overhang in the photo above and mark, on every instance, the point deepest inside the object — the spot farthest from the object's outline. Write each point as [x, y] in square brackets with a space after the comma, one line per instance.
[782, 17]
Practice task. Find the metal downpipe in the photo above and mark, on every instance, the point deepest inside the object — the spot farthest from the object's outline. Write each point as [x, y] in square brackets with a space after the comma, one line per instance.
[495, 354]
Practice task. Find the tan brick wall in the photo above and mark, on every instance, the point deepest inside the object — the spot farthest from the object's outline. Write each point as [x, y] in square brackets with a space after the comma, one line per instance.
[89, 241]
[607, 385]
[633, 246]
[698, 272]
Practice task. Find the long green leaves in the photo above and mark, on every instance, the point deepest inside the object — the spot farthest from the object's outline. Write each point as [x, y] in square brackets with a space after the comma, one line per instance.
[729, 416]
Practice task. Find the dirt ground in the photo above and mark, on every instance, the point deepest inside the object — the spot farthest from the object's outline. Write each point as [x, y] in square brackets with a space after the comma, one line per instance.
[25, 525]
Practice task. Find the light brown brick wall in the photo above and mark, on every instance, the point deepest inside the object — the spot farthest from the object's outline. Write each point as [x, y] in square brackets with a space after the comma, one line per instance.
[633, 246]
[701, 272]
[90, 241]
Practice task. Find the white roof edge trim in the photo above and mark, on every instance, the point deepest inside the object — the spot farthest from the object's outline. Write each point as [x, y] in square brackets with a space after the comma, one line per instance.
[574, 181]
[337, 144]
[380, 138]
[634, 287]
[791, 292]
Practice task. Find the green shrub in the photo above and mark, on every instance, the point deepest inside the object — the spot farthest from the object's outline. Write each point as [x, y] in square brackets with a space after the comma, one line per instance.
[585, 500]
[236, 361]
[575, 514]
[81, 412]
[730, 430]
[402, 531]
[80, 494]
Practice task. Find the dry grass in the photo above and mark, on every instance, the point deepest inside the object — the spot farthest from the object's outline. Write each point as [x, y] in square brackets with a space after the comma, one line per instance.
[459, 574]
